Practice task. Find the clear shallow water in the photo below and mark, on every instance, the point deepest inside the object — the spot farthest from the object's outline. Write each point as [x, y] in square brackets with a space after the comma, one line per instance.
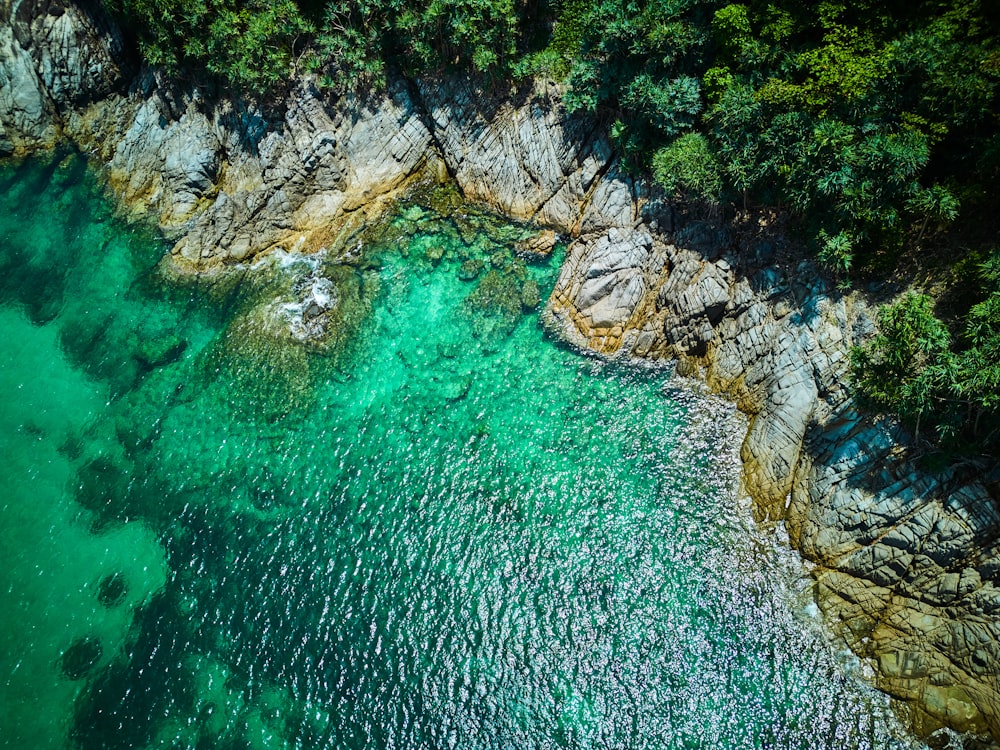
[440, 531]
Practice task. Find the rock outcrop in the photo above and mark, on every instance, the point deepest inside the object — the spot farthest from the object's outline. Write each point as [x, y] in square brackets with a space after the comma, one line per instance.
[907, 563]
[526, 157]
[54, 58]
[231, 184]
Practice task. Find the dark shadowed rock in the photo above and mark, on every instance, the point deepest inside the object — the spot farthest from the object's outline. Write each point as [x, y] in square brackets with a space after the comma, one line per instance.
[112, 590]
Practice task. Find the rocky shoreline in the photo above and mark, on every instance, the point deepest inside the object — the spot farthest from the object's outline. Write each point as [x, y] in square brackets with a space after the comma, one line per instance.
[907, 562]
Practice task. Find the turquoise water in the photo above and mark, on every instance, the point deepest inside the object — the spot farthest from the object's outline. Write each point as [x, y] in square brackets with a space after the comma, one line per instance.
[411, 520]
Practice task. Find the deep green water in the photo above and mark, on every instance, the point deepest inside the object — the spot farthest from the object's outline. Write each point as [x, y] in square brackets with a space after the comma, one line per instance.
[441, 530]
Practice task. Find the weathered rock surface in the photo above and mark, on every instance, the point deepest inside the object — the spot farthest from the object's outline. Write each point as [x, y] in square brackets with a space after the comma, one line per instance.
[538, 246]
[908, 563]
[230, 184]
[53, 57]
[604, 284]
[25, 112]
[526, 157]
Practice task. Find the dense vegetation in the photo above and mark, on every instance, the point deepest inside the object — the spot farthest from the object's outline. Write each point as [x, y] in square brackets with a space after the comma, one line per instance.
[915, 367]
[256, 44]
[872, 124]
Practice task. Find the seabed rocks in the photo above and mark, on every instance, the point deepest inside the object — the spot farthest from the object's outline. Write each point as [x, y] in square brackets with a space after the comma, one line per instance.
[907, 563]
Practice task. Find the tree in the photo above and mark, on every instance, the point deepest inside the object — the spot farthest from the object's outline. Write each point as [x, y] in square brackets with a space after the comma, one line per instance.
[688, 166]
[934, 204]
[978, 376]
[908, 367]
[250, 43]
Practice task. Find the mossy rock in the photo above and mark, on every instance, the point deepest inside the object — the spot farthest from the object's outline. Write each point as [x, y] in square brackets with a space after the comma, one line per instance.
[494, 308]
[449, 349]
[518, 269]
[442, 199]
[414, 214]
[531, 296]
[470, 269]
[496, 292]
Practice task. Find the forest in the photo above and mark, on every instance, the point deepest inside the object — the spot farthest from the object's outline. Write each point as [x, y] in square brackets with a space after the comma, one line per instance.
[872, 126]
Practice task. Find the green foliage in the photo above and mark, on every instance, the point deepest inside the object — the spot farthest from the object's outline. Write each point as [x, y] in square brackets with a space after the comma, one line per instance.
[906, 368]
[715, 81]
[843, 69]
[917, 370]
[978, 380]
[251, 43]
[480, 34]
[731, 28]
[865, 119]
[670, 106]
[836, 252]
[255, 44]
[643, 61]
[350, 47]
[935, 204]
[688, 166]
[567, 31]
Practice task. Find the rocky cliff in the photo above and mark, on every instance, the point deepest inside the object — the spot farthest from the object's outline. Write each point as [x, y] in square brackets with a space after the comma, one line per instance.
[907, 563]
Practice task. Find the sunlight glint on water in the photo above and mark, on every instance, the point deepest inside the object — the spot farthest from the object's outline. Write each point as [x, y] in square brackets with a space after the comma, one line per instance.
[445, 531]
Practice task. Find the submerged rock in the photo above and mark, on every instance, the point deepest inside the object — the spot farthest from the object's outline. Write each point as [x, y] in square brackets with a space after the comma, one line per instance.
[101, 483]
[112, 590]
[470, 269]
[160, 351]
[531, 296]
[80, 658]
[494, 308]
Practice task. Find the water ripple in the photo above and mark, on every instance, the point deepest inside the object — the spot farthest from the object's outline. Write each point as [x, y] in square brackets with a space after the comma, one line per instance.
[449, 532]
